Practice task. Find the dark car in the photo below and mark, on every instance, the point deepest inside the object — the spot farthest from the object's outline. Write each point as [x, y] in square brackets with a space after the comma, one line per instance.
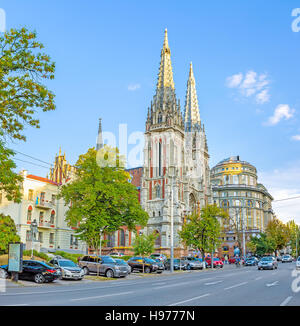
[104, 265]
[69, 270]
[141, 264]
[161, 265]
[37, 271]
[177, 264]
[252, 261]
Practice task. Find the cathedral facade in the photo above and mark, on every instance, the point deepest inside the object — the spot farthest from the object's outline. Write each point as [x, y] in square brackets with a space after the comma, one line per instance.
[175, 179]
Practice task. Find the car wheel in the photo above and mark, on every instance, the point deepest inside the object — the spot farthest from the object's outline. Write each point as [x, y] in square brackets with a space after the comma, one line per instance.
[86, 271]
[147, 269]
[109, 273]
[39, 278]
[3, 273]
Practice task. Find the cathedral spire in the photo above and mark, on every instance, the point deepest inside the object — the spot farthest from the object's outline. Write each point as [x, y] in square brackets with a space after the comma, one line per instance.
[99, 138]
[165, 76]
[191, 113]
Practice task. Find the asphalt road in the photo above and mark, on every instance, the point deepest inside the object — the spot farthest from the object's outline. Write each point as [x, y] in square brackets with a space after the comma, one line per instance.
[231, 286]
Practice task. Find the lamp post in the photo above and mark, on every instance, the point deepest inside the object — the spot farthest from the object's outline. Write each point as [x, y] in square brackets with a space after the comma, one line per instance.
[100, 236]
[34, 230]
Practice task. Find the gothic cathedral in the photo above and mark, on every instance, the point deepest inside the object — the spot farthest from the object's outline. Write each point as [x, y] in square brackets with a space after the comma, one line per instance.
[175, 179]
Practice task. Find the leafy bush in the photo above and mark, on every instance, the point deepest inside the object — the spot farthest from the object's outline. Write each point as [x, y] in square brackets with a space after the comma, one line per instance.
[8, 233]
[41, 255]
[67, 255]
[122, 257]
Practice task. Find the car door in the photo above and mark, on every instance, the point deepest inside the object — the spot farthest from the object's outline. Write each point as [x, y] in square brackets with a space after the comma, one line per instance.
[25, 271]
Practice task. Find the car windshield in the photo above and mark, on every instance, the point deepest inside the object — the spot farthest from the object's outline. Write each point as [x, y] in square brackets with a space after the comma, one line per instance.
[216, 259]
[298, 258]
[286, 256]
[121, 261]
[266, 258]
[66, 263]
[108, 260]
[148, 260]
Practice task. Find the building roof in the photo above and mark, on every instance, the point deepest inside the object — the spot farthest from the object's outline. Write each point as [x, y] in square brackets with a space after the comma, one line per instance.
[35, 177]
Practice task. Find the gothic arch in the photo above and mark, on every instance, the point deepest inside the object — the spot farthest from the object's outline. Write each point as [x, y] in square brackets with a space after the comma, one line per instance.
[192, 202]
[158, 239]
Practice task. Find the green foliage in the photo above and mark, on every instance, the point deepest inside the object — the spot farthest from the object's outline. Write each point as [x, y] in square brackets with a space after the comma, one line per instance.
[23, 68]
[278, 232]
[262, 245]
[67, 255]
[41, 255]
[123, 257]
[202, 231]
[8, 233]
[144, 245]
[9, 180]
[101, 198]
[22, 93]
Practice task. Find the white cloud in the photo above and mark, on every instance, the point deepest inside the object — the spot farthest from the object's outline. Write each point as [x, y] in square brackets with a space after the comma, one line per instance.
[252, 84]
[296, 137]
[133, 87]
[282, 111]
[284, 183]
[234, 81]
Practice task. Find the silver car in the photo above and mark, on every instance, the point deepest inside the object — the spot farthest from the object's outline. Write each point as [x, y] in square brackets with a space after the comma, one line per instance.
[287, 259]
[192, 263]
[69, 270]
[267, 262]
[104, 265]
[298, 263]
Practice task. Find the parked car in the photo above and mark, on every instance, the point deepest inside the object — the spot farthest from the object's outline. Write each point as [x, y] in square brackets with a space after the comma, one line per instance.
[217, 262]
[192, 263]
[122, 262]
[36, 271]
[161, 257]
[298, 263]
[141, 264]
[104, 265]
[251, 261]
[287, 259]
[116, 254]
[201, 260]
[177, 264]
[267, 262]
[161, 266]
[231, 260]
[69, 270]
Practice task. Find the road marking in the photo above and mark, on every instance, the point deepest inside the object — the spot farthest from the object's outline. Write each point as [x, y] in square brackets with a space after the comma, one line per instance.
[258, 278]
[272, 284]
[161, 283]
[188, 300]
[171, 285]
[101, 296]
[286, 301]
[236, 285]
[18, 304]
[212, 283]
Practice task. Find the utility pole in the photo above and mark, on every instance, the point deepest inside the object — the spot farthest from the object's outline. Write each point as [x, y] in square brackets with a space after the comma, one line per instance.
[172, 231]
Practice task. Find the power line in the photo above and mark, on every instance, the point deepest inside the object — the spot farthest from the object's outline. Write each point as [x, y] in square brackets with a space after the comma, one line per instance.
[34, 158]
[18, 159]
[289, 198]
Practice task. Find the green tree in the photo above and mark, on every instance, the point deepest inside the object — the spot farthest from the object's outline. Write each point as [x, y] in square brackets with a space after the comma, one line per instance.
[294, 236]
[23, 70]
[144, 245]
[101, 198]
[203, 231]
[8, 233]
[278, 232]
[262, 244]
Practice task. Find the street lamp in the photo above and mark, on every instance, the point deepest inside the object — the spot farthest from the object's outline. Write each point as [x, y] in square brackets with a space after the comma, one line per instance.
[101, 230]
[34, 230]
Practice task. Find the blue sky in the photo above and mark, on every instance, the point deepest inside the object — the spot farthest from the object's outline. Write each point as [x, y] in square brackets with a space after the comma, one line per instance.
[246, 64]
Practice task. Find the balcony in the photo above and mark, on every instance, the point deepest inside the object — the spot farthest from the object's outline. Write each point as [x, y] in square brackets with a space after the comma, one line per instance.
[44, 204]
[46, 225]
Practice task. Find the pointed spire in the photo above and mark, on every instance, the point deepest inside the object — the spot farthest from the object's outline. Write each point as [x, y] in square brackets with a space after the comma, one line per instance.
[99, 138]
[165, 76]
[191, 113]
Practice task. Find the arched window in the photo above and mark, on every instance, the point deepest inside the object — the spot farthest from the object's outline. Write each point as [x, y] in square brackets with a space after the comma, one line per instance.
[157, 191]
[192, 202]
[29, 213]
[159, 118]
[110, 240]
[158, 239]
[122, 238]
[52, 217]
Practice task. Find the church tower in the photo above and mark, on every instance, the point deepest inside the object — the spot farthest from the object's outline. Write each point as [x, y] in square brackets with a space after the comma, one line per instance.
[164, 156]
[175, 158]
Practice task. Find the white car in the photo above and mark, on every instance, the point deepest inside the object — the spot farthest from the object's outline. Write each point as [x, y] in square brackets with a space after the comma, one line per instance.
[298, 263]
[287, 259]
